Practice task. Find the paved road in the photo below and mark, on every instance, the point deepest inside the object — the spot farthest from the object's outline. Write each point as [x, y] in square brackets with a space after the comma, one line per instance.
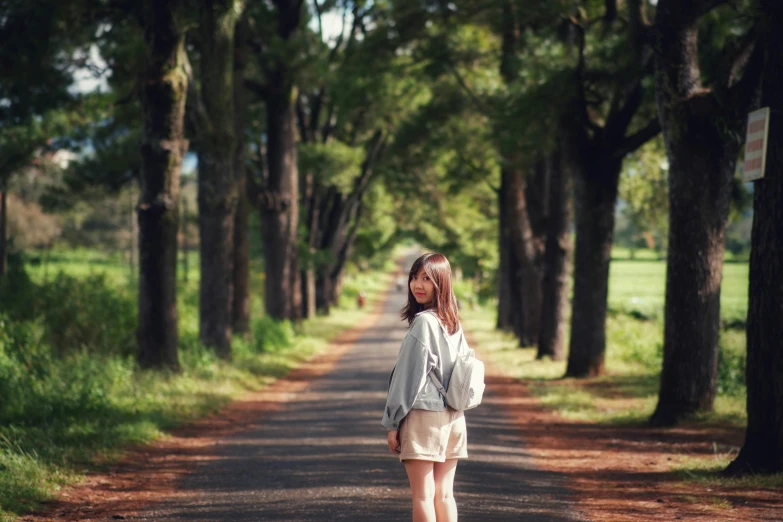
[324, 457]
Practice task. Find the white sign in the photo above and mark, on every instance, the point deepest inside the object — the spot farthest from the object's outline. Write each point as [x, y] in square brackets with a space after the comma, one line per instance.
[756, 141]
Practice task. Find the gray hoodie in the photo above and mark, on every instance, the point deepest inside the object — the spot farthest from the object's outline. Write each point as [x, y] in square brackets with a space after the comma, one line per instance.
[423, 349]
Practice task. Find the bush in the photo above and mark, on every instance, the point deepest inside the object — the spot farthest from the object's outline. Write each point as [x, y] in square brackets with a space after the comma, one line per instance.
[60, 344]
[270, 335]
[37, 387]
[88, 314]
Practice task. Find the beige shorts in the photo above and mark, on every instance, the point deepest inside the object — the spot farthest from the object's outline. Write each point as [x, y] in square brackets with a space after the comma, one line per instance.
[434, 435]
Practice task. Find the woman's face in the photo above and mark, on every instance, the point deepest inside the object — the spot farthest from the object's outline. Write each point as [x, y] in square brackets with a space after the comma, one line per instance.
[422, 288]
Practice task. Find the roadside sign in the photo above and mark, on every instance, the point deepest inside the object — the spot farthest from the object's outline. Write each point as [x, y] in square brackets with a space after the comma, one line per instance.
[756, 141]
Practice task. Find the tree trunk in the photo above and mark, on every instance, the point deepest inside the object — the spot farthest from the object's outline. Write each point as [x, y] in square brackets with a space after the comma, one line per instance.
[323, 291]
[505, 319]
[527, 253]
[333, 231]
[241, 283]
[3, 229]
[700, 187]
[344, 252]
[557, 254]
[185, 246]
[762, 451]
[132, 224]
[700, 130]
[596, 196]
[510, 277]
[163, 95]
[308, 293]
[280, 210]
[217, 191]
[311, 201]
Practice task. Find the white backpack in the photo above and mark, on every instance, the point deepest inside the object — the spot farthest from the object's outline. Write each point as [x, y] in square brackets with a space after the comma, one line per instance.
[466, 386]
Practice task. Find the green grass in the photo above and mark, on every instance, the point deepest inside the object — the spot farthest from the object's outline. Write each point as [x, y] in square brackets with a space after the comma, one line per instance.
[73, 400]
[44, 266]
[707, 471]
[640, 286]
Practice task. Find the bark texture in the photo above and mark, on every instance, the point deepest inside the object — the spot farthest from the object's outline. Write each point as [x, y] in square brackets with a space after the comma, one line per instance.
[217, 191]
[279, 197]
[311, 199]
[164, 91]
[557, 259]
[701, 129]
[528, 250]
[597, 147]
[506, 268]
[596, 196]
[762, 451]
[241, 283]
[280, 211]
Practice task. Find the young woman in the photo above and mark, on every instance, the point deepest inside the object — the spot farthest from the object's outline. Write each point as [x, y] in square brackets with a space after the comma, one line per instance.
[428, 436]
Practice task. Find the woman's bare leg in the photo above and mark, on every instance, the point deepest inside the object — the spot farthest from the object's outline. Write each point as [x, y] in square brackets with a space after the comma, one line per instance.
[445, 506]
[422, 480]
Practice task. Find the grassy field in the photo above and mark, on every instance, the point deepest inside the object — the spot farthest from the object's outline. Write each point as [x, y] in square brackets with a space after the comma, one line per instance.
[72, 396]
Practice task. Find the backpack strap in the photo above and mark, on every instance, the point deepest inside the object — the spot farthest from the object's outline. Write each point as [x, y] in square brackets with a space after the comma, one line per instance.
[437, 383]
[435, 380]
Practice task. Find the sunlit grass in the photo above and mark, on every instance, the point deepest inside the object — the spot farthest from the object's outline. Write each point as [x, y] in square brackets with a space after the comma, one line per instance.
[707, 471]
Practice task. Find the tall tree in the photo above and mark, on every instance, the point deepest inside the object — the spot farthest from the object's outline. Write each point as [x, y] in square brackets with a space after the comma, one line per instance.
[557, 256]
[217, 190]
[762, 451]
[609, 122]
[518, 187]
[702, 128]
[241, 282]
[273, 40]
[163, 95]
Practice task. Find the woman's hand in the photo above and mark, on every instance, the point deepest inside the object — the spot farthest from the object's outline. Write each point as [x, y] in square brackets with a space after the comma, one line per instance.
[393, 439]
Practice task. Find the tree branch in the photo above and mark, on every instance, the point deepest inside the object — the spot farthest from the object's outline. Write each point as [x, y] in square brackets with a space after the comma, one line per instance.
[735, 59]
[318, 12]
[745, 91]
[639, 138]
[376, 145]
[619, 120]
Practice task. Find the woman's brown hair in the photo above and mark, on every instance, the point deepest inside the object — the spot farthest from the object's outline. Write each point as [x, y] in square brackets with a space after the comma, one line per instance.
[444, 303]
